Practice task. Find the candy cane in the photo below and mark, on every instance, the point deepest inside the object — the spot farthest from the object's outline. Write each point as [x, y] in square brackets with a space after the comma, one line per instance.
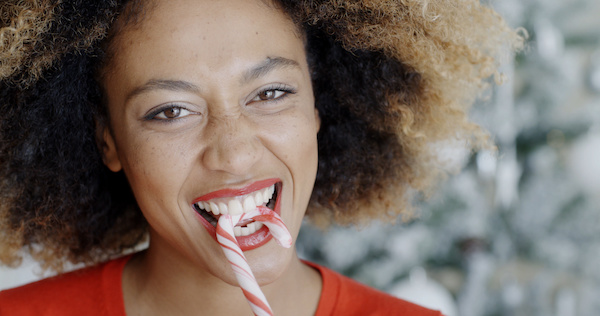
[237, 260]
[274, 222]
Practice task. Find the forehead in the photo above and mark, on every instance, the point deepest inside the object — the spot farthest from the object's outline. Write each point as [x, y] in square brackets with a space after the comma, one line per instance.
[207, 33]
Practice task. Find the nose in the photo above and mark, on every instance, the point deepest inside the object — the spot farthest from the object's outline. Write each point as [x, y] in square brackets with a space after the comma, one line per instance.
[233, 145]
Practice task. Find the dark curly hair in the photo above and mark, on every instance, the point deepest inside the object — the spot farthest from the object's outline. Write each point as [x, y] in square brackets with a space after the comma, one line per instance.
[391, 79]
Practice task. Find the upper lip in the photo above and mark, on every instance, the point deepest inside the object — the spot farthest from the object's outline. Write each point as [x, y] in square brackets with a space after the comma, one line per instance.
[228, 192]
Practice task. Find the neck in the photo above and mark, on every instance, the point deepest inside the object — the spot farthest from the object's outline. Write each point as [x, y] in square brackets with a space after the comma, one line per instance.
[165, 283]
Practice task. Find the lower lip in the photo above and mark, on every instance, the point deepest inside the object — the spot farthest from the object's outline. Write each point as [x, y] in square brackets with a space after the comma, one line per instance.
[252, 241]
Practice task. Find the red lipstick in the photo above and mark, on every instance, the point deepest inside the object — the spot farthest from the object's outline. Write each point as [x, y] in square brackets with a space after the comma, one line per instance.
[261, 236]
[258, 185]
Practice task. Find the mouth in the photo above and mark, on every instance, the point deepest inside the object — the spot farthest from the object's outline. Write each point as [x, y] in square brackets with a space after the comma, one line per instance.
[213, 209]
[249, 234]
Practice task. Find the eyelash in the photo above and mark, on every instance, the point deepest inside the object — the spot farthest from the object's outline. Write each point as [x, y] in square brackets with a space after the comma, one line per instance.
[153, 115]
[287, 90]
[279, 87]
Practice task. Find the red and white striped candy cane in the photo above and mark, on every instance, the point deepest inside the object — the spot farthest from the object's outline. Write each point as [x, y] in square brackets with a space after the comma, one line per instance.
[274, 222]
[237, 260]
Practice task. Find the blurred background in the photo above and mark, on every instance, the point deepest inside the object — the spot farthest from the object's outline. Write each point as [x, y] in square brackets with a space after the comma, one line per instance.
[518, 231]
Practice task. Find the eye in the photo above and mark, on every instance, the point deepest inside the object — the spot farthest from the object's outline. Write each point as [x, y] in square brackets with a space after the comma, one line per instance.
[169, 112]
[267, 95]
[272, 93]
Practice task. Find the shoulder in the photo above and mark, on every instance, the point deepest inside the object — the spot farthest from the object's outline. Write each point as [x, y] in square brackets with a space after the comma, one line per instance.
[344, 296]
[73, 293]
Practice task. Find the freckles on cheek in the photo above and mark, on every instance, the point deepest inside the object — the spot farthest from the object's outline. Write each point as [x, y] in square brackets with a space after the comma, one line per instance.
[149, 165]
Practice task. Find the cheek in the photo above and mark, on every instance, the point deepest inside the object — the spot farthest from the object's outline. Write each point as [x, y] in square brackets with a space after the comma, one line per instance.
[299, 150]
[300, 155]
[154, 167]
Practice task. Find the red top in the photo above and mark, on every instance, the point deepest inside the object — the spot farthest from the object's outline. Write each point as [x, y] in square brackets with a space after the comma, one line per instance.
[344, 296]
[97, 291]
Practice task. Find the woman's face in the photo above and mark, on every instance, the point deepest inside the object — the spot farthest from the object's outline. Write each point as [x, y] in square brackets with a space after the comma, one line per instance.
[212, 101]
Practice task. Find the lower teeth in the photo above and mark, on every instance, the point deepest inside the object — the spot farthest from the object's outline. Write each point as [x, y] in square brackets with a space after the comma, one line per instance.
[251, 228]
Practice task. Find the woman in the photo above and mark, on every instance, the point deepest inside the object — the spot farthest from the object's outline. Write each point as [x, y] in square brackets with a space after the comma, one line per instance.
[134, 118]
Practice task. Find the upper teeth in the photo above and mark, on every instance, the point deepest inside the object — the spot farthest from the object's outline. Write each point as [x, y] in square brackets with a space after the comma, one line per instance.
[238, 204]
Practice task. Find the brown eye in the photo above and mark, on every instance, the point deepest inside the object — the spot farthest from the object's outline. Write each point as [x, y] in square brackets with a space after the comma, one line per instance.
[267, 95]
[169, 113]
[270, 95]
[172, 112]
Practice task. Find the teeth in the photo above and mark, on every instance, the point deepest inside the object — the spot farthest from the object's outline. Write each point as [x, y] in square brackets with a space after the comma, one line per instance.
[238, 205]
[223, 209]
[245, 231]
[235, 207]
[214, 208]
[259, 198]
[250, 229]
[249, 204]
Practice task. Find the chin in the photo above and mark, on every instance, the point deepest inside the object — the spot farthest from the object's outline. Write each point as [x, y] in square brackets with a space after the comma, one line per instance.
[268, 269]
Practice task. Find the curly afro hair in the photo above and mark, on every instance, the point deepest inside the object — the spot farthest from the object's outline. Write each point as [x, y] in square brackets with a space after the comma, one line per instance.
[391, 79]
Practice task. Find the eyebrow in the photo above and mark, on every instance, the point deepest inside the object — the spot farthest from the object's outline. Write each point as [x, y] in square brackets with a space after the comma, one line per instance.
[266, 66]
[258, 71]
[163, 84]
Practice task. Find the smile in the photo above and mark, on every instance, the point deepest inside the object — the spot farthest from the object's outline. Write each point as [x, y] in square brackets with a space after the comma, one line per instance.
[212, 209]
[249, 234]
